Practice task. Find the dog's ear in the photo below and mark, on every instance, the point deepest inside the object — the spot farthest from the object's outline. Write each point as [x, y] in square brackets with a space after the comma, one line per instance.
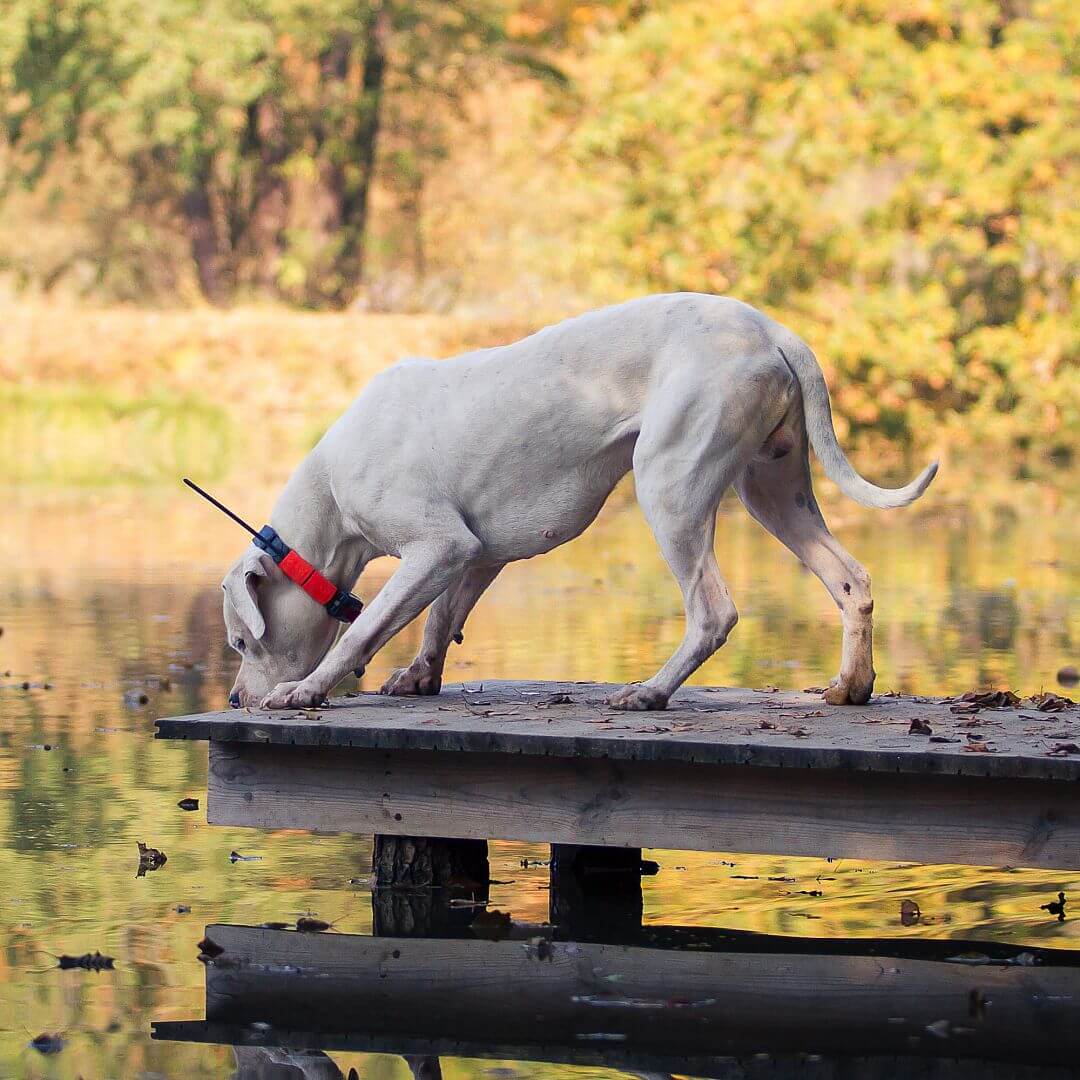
[241, 587]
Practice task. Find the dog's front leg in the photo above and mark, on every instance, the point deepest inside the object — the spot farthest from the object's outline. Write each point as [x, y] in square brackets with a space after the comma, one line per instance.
[445, 623]
[427, 569]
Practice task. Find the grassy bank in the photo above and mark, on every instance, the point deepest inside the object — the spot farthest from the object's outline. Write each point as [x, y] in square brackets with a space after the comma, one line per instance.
[90, 397]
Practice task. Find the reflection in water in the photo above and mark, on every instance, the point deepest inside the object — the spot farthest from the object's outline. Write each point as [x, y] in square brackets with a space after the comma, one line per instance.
[115, 599]
[672, 1000]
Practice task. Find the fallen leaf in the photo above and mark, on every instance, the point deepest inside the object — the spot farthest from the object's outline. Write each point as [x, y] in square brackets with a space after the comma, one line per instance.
[307, 924]
[1056, 907]
[920, 727]
[967, 707]
[149, 859]
[208, 949]
[47, 1044]
[1062, 749]
[188, 804]
[992, 699]
[87, 962]
[1048, 702]
[910, 912]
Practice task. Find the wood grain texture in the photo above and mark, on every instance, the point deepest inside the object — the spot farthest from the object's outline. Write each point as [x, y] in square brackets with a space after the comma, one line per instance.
[720, 726]
[484, 998]
[667, 804]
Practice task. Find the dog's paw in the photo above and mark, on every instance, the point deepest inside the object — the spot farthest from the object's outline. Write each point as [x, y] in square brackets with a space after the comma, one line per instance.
[638, 697]
[413, 681]
[294, 695]
[849, 691]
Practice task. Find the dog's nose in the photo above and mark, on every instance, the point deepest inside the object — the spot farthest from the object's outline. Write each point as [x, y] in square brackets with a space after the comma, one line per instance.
[234, 700]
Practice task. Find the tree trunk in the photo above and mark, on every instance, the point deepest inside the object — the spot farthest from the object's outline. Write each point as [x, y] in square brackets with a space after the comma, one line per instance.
[345, 182]
[270, 207]
[205, 243]
[355, 208]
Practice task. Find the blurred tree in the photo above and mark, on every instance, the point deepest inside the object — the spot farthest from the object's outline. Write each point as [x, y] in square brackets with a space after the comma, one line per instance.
[255, 125]
[897, 180]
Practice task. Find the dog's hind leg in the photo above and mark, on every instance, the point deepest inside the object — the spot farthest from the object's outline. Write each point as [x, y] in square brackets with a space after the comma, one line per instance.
[690, 448]
[445, 622]
[778, 494]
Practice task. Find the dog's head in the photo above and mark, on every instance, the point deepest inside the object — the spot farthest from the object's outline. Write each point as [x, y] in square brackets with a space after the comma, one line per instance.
[280, 633]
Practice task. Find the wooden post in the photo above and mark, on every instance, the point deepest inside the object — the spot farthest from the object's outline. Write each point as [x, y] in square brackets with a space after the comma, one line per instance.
[595, 890]
[416, 877]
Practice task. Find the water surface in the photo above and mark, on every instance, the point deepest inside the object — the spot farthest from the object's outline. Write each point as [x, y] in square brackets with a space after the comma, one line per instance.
[110, 610]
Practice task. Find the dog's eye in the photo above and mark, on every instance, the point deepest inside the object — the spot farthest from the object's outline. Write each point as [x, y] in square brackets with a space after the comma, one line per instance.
[239, 645]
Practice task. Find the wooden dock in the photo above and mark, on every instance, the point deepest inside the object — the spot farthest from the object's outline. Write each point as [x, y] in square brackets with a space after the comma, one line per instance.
[743, 1006]
[721, 769]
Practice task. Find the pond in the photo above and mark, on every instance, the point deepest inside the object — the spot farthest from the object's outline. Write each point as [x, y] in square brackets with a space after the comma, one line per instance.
[110, 616]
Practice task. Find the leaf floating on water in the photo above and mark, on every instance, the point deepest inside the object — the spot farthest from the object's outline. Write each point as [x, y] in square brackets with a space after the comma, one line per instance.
[235, 857]
[208, 949]
[149, 859]
[1056, 907]
[308, 924]
[47, 1044]
[920, 727]
[188, 804]
[87, 962]
[910, 913]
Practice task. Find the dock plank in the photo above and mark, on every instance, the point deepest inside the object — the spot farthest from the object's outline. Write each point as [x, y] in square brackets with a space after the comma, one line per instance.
[703, 725]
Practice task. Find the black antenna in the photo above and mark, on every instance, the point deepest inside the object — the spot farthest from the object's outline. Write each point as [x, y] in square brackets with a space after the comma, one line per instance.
[221, 506]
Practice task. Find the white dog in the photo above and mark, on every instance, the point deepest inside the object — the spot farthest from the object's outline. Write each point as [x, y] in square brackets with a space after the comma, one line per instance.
[458, 467]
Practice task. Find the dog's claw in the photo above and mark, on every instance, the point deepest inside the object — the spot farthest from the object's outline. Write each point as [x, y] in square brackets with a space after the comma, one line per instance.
[638, 697]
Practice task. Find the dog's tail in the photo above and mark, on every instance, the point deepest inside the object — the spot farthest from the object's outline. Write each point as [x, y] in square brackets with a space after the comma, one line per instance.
[819, 427]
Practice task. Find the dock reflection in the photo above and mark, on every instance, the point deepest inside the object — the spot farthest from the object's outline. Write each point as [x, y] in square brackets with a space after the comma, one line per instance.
[642, 999]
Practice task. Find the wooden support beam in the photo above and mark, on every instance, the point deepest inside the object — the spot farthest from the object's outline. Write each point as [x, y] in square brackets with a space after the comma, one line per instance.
[595, 889]
[929, 818]
[416, 877]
